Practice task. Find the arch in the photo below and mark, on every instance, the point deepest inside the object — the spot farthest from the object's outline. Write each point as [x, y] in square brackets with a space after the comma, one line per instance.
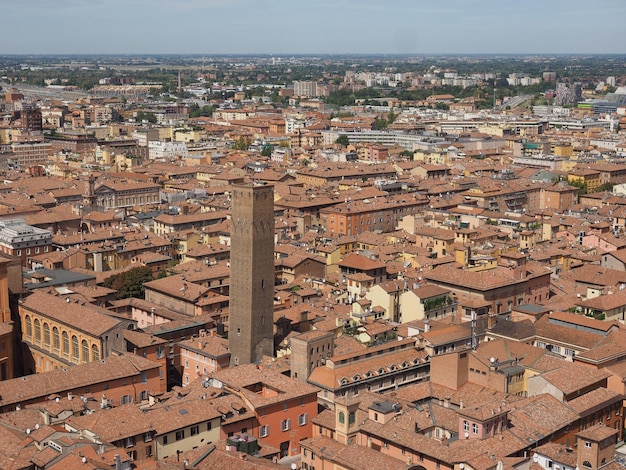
[29, 326]
[56, 341]
[66, 344]
[95, 352]
[75, 350]
[46, 335]
[85, 350]
[37, 330]
[587, 464]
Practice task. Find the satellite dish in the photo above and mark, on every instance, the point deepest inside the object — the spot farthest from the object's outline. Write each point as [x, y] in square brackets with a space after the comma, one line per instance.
[535, 458]
[492, 360]
[466, 435]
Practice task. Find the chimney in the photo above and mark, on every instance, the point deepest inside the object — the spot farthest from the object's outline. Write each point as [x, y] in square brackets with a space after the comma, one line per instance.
[426, 325]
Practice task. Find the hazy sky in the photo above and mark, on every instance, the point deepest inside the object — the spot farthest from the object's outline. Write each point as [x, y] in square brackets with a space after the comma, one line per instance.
[312, 26]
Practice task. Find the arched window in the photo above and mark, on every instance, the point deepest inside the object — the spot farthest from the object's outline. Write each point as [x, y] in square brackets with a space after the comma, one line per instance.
[37, 331]
[56, 344]
[75, 350]
[46, 335]
[342, 417]
[66, 344]
[351, 417]
[587, 464]
[95, 353]
[85, 348]
[29, 327]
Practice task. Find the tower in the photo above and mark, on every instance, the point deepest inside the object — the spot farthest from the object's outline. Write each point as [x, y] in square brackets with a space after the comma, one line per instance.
[251, 317]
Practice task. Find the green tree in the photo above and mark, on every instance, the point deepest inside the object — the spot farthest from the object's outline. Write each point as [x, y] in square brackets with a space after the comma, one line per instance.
[267, 150]
[146, 116]
[604, 187]
[242, 143]
[205, 111]
[343, 140]
[130, 283]
[582, 187]
[380, 124]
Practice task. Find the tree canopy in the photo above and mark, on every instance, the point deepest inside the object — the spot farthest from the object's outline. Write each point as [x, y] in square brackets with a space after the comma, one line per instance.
[343, 140]
[129, 283]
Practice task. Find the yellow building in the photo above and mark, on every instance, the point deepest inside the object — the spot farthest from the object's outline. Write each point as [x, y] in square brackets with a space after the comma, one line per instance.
[59, 332]
[584, 176]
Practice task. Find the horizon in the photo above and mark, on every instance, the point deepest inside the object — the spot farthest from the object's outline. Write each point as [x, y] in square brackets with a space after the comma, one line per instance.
[339, 27]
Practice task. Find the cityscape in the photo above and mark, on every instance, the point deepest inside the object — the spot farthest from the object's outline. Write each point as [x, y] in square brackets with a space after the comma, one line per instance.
[312, 261]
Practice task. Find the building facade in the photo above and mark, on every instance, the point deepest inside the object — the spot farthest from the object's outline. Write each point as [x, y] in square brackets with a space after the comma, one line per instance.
[252, 274]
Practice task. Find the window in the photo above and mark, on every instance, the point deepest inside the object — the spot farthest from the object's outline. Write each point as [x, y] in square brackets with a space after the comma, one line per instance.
[474, 428]
[95, 352]
[29, 327]
[465, 426]
[195, 430]
[302, 419]
[160, 352]
[130, 441]
[37, 331]
[209, 426]
[285, 424]
[46, 334]
[55, 338]
[66, 344]
[342, 417]
[165, 440]
[588, 445]
[180, 435]
[147, 436]
[85, 348]
[264, 431]
[75, 352]
[148, 451]
[351, 417]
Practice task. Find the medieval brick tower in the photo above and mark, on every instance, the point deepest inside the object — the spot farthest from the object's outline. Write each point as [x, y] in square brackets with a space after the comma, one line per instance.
[251, 317]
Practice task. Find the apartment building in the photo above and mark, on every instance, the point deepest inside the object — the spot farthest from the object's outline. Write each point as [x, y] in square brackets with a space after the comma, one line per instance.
[22, 241]
[369, 215]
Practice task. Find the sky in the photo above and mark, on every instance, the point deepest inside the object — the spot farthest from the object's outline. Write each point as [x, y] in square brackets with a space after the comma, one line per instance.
[285, 27]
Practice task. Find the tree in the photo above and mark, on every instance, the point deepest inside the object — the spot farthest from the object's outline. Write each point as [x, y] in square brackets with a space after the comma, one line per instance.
[379, 124]
[267, 150]
[146, 116]
[582, 186]
[343, 140]
[242, 143]
[205, 111]
[130, 283]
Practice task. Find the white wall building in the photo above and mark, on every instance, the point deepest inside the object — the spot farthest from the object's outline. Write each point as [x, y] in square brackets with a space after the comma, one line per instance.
[158, 150]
